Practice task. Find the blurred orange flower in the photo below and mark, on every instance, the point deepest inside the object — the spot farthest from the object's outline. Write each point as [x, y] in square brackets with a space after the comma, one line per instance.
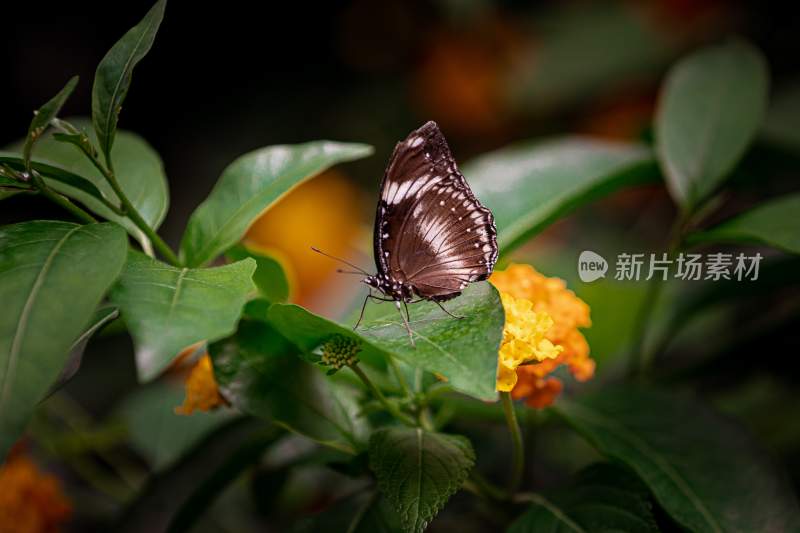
[202, 393]
[31, 501]
[325, 212]
[461, 80]
[567, 313]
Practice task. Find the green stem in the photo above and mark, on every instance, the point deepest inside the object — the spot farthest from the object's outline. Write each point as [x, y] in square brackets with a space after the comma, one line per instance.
[518, 451]
[486, 487]
[389, 406]
[641, 357]
[62, 201]
[425, 419]
[401, 379]
[131, 212]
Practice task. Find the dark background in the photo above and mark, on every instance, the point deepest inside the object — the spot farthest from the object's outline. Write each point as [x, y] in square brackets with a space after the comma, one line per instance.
[223, 79]
[226, 78]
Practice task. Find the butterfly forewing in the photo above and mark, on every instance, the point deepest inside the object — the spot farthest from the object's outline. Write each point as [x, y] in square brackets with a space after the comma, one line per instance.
[430, 230]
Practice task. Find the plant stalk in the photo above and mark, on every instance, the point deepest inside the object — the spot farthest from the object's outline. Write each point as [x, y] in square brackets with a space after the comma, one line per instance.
[390, 407]
[641, 357]
[518, 451]
[130, 211]
[401, 379]
[62, 201]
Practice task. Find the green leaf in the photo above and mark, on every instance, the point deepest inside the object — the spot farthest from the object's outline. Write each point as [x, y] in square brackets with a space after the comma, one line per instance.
[101, 318]
[167, 309]
[419, 470]
[257, 372]
[249, 186]
[199, 475]
[774, 223]
[157, 432]
[50, 172]
[9, 185]
[113, 76]
[783, 116]
[137, 165]
[52, 276]
[530, 185]
[269, 277]
[365, 512]
[711, 107]
[462, 351]
[702, 468]
[44, 115]
[582, 51]
[603, 497]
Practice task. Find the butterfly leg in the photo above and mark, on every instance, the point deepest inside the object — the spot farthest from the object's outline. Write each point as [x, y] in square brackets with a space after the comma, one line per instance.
[361, 315]
[446, 311]
[405, 322]
[369, 296]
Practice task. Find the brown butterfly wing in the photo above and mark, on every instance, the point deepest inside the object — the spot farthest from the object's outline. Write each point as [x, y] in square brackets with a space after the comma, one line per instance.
[430, 230]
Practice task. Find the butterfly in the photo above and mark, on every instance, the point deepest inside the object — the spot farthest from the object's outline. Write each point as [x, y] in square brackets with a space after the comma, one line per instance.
[432, 237]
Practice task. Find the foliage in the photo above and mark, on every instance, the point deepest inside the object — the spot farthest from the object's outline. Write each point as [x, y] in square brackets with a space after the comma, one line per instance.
[388, 413]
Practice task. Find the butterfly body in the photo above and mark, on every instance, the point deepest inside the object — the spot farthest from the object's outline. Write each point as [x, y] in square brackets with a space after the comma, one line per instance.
[432, 237]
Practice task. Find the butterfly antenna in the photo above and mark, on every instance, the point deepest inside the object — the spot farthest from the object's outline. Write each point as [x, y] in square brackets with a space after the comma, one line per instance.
[359, 269]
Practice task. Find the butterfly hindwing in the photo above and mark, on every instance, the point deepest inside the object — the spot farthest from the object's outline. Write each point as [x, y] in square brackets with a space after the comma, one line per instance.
[430, 230]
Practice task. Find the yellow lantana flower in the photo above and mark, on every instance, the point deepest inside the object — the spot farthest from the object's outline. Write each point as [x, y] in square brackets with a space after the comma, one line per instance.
[202, 393]
[31, 501]
[567, 313]
[523, 339]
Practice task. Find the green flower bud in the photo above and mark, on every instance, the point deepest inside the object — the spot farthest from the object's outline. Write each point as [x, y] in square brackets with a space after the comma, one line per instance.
[339, 351]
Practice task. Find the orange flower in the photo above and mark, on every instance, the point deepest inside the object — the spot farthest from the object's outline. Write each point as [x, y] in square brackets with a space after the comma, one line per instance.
[568, 313]
[524, 340]
[202, 393]
[324, 212]
[31, 501]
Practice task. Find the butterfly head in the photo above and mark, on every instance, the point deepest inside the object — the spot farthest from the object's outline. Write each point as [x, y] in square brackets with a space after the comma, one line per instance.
[397, 290]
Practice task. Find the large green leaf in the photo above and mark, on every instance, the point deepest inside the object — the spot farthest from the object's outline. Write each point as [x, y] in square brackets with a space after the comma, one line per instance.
[462, 351]
[774, 223]
[583, 50]
[198, 476]
[52, 276]
[703, 469]
[167, 309]
[418, 471]
[528, 186]
[44, 115]
[259, 373]
[137, 166]
[102, 316]
[113, 76]
[249, 186]
[711, 107]
[603, 497]
[157, 432]
[269, 277]
[783, 116]
[365, 512]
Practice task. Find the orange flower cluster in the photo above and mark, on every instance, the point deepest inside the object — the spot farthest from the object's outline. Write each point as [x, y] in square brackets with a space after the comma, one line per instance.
[202, 393]
[31, 501]
[568, 313]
